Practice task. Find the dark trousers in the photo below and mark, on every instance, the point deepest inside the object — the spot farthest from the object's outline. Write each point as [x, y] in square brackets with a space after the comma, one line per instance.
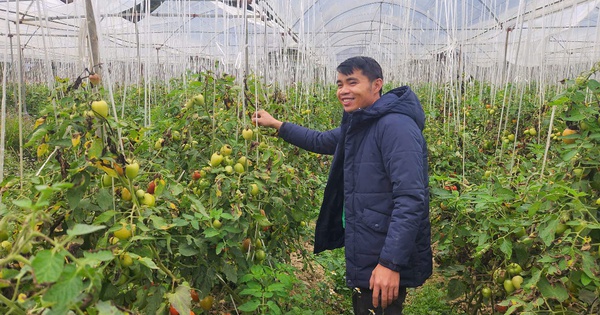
[362, 301]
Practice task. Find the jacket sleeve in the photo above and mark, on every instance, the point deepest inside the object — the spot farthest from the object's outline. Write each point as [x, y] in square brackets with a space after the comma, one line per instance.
[315, 141]
[402, 148]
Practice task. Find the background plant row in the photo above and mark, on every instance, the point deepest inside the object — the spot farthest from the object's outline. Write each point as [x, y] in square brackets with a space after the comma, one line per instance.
[65, 250]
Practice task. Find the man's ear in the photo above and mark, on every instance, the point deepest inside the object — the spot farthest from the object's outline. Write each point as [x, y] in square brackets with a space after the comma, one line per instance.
[378, 84]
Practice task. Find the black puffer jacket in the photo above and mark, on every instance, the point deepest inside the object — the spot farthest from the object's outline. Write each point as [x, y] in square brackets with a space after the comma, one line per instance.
[379, 172]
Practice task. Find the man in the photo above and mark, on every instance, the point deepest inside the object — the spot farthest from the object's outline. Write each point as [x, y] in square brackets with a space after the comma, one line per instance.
[378, 180]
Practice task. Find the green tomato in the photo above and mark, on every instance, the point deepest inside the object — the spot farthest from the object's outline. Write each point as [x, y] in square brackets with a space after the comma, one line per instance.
[6, 245]
[532, 131]
[26, 249]
[560, 229]
[228, 161]
[238, 168]
[508, 286]
[521, 232]
[132, 169]
[198, 99]
[100, 108]
[260, 255]
[243, 160]
[514, 269]
[122, 279]
[175, 135]
[217, 224]
[516, 281]
[126, 260]
[106, 180]
[499, 276]
[140, 193]
[216, 159]
[158, 144]
[486, 292]
[580, 227]
[125, 232]
[254, 189]
[149, 200]
[226, 150]
[247, 134]
[3, 236]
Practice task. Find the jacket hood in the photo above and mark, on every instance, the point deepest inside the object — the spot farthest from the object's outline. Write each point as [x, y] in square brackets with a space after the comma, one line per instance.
[401, 100]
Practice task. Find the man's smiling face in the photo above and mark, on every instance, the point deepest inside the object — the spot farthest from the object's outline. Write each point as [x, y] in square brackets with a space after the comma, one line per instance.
[356, 91]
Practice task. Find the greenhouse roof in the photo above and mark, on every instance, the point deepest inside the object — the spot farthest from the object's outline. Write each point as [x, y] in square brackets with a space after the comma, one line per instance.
[482, 32]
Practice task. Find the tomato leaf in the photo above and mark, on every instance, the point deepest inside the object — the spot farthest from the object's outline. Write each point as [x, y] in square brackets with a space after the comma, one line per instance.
[585, 280]
[187, 250]
[211, 232]
[249, 306]
[104, 217]
[105, 199]
[274, 307]
[65, 291]
[197, 205]
[456, 288]
[147, 262]
[94, 259]
[181, 299]
[550, 291]
[83, 229]
[160, 223]
[106, 308]
[95, 150]
[47, 266]
[590, 267]
[36, 136]
[23, 203]
[230, 272]
[569, 155]
[75, 194]
[547, 233]
[506, 248]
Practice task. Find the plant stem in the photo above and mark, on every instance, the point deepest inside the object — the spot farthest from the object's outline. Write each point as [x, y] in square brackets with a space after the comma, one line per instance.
[13, 307]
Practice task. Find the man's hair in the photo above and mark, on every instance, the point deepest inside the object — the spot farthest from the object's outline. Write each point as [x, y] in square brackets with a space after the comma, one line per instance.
[369, 67]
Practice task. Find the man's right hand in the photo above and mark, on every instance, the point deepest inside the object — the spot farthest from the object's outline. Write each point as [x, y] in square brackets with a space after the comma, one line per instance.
[263, 118]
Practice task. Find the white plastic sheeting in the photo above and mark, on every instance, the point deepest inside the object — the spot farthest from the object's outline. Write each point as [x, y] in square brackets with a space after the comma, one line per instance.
[177, 35]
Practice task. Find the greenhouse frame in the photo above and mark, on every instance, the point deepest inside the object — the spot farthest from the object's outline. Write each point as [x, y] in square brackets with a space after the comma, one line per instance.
[538, 39]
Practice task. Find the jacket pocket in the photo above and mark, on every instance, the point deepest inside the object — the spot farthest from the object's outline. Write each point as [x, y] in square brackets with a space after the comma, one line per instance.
[377, 221]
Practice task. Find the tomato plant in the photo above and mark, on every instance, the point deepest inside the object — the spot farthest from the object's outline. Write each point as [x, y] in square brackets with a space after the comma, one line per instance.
[113, 218]
[514, 225]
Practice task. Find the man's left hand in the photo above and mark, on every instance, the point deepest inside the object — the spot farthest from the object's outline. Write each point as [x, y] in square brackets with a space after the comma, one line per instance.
[384, 282]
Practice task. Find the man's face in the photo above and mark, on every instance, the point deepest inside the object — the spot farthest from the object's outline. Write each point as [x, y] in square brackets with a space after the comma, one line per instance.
[356, 91]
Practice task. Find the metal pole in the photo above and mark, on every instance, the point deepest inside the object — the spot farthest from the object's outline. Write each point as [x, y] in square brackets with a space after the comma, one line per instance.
[93, 34]
[245, 83]
[266, 56]
[20, 97]
[3, 118]
[505, 63]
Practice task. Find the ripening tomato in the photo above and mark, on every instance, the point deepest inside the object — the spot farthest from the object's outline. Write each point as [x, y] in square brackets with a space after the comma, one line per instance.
[207, 303]
[194, 295]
